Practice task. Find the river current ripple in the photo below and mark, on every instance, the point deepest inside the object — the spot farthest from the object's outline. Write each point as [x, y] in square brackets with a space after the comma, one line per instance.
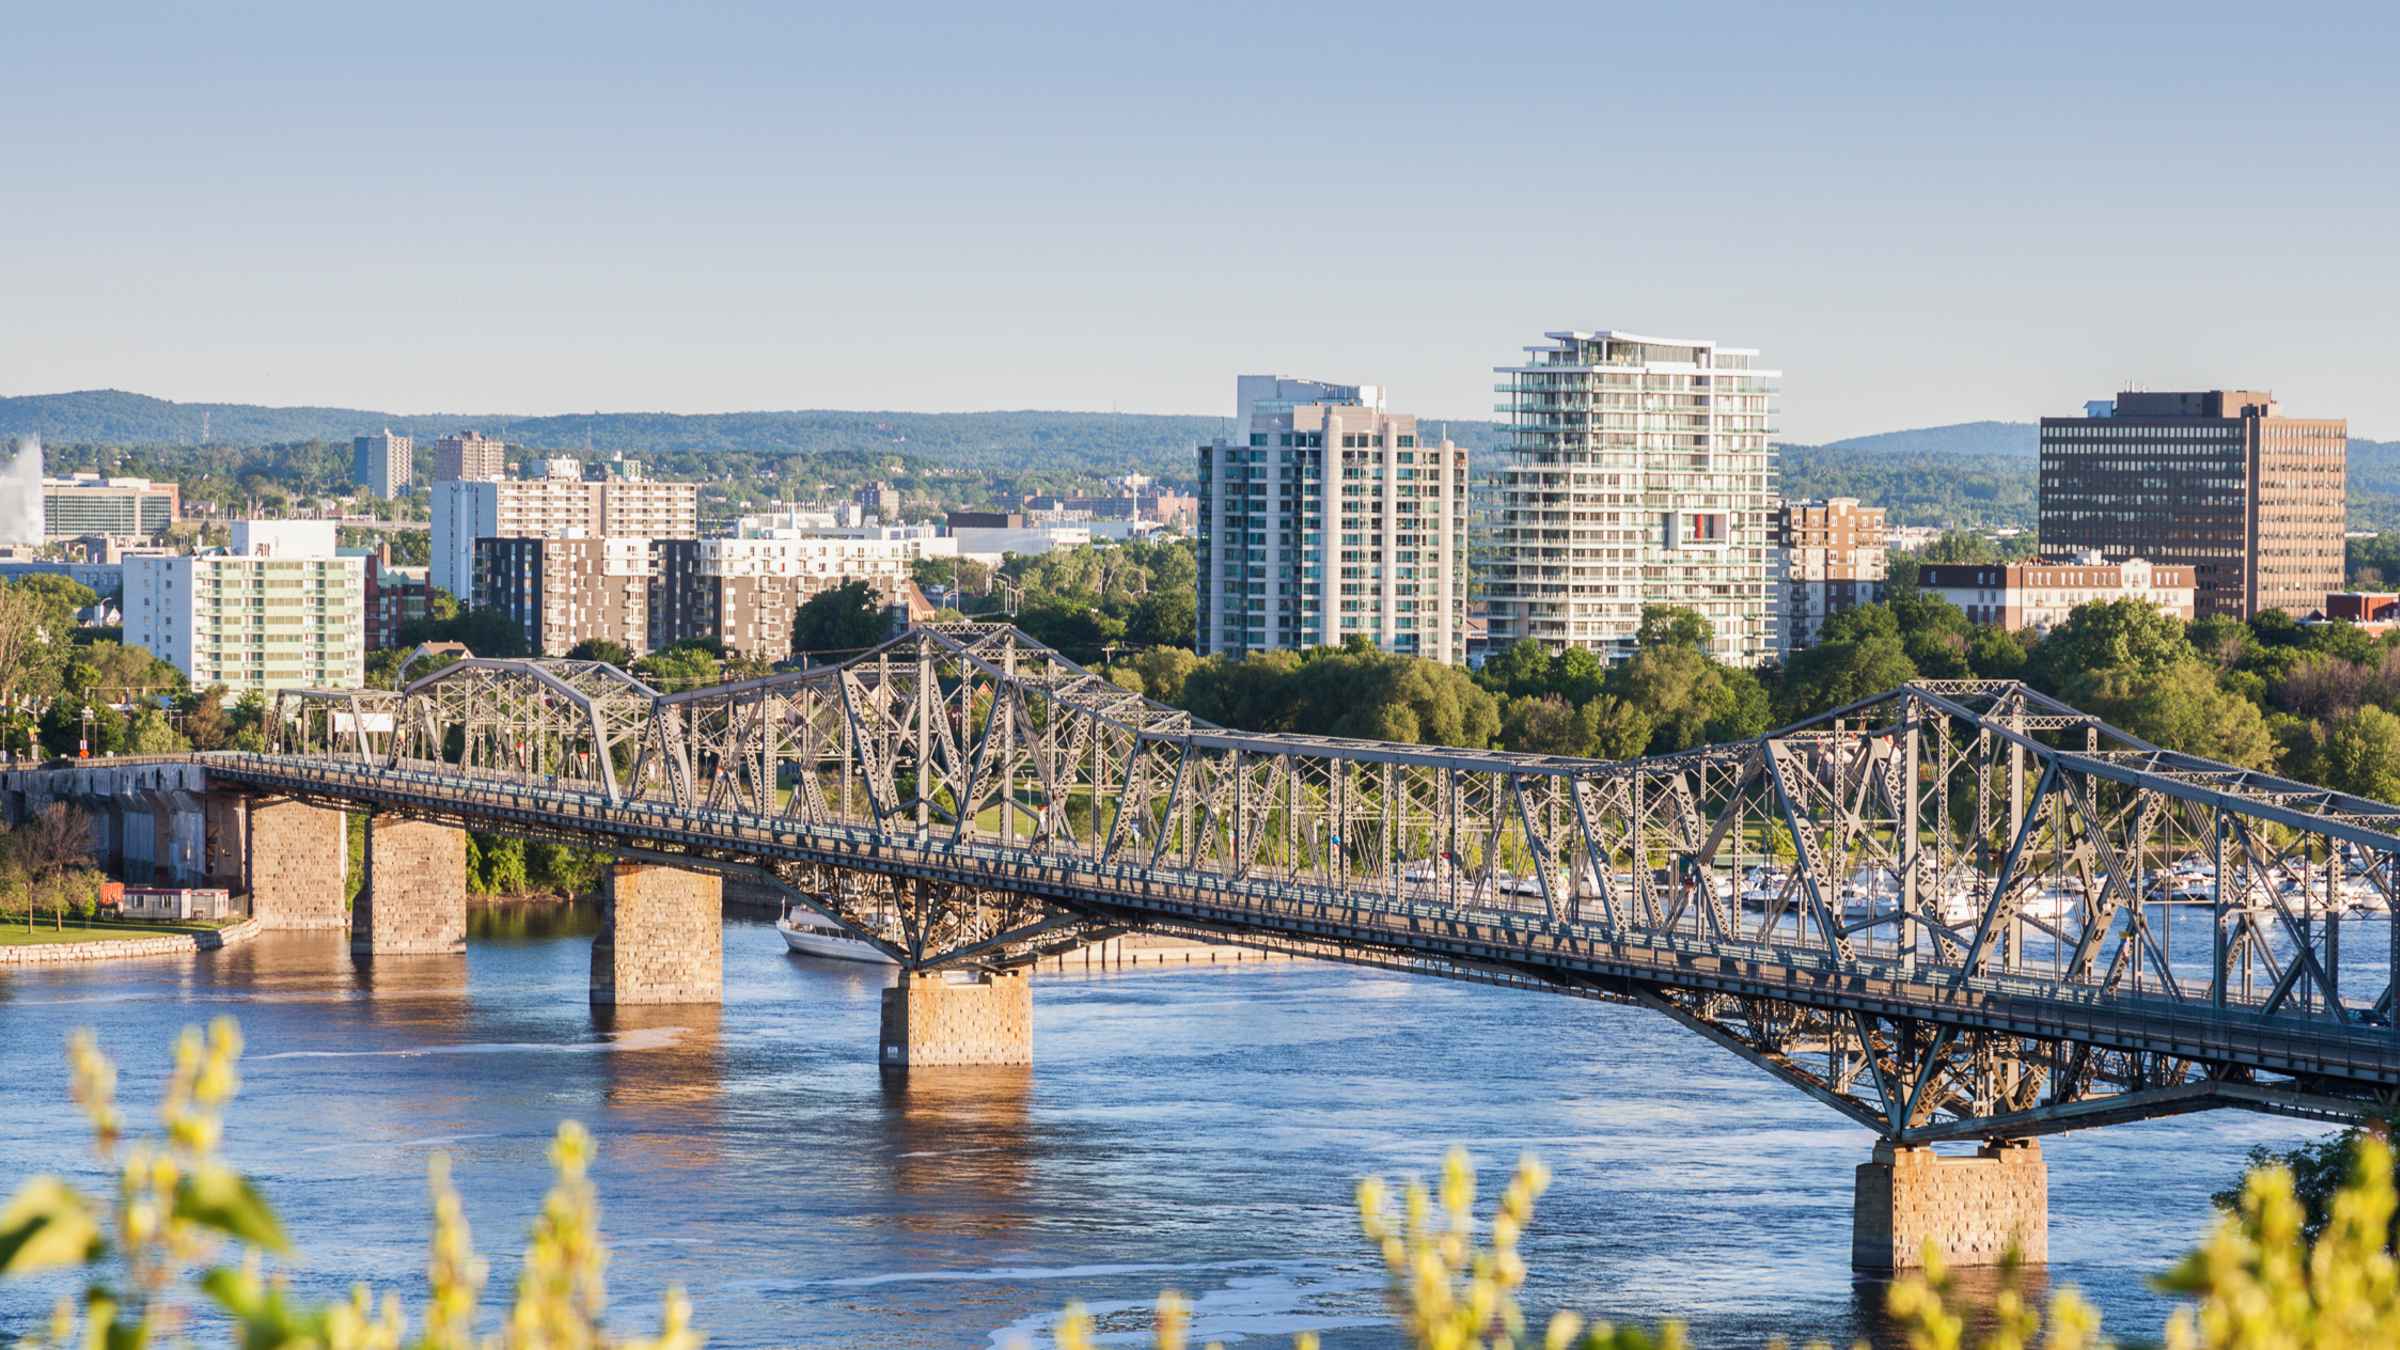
[1199, 1129]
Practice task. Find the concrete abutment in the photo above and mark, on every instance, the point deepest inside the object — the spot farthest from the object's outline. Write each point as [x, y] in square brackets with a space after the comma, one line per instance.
[662, 937]
[415, 899]
[936, 1020]
[1973, 1210]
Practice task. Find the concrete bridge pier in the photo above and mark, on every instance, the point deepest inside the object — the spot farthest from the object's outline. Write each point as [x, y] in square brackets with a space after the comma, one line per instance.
[415, 899]
[662, 937]
[297, 859]
[936, 1019]
[1973, 1210]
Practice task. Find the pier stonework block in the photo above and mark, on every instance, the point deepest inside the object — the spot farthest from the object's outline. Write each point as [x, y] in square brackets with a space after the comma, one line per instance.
[932, 1020]
[1973, 1209]
[415, 899]
[662, 939]
[297, 857]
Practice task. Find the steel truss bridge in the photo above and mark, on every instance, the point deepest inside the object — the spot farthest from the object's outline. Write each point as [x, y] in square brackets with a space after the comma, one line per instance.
[1943, 911]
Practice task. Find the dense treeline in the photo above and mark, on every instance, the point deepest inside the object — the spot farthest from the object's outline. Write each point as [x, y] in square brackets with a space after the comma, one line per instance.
[2314, 702]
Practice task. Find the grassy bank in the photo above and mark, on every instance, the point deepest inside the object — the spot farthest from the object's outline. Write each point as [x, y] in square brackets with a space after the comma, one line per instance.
[43, 933]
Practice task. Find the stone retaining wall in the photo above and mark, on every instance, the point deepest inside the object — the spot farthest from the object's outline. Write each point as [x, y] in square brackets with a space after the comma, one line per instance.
[125, 949]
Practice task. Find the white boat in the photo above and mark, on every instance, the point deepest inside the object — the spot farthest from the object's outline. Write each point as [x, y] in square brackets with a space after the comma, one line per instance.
[809, 933]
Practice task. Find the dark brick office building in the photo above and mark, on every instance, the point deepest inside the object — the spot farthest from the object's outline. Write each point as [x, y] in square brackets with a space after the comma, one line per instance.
[2253, 502]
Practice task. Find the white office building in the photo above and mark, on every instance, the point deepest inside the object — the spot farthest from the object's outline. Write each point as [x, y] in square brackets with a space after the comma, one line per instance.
[1327, 517]
[279, 610]
[1640, 473]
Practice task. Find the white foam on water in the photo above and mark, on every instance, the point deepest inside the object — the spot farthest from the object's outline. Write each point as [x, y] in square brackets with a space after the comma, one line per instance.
[647, 1038]
[1276, 1306]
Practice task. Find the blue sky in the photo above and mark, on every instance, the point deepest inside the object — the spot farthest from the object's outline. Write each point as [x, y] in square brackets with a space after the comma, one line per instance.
[1919, 217]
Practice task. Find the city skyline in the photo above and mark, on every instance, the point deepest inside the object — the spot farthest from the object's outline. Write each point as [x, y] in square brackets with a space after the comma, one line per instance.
[1930, 219]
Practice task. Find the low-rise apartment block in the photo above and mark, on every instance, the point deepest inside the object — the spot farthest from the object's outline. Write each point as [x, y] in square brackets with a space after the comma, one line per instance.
[2038, 594]
[279, 610]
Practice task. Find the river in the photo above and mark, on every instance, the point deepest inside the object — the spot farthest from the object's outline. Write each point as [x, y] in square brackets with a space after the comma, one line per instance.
[1196, 1128]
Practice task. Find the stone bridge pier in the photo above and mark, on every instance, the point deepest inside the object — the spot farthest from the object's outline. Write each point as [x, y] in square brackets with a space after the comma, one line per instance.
[1973, 1210]
[662, 937]
[937, 1019]
[415, 899]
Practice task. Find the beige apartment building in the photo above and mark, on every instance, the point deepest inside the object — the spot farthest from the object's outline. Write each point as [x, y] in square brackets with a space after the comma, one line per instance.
[1331, 518]
[2038, 594]
[561, 592]
[469, 455]
[1831, 556]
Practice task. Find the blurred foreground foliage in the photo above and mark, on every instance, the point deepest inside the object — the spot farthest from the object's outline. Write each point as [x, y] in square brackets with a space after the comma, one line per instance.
[184, 1229]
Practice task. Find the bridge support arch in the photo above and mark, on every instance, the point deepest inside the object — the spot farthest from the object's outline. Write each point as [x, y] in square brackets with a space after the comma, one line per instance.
[936, 1019]
[415, 899]
[662, 937]
[1973, 1210]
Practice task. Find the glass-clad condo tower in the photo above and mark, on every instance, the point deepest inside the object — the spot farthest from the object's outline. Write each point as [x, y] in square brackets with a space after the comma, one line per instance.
[1640, 474]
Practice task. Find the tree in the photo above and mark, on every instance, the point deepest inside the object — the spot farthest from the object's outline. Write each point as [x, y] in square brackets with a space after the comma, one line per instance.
[1834, 674]
[1543, 725]
[686, 665]
[2132, 636]
[1996, 654]
[1613, 728]
[1167, 618]
[51, 847]
[838, 622]
[602, 650]
[1521, 670]
[2360, 754]
[147, 732]
[36, 619]
[1159, 673]
[2182, 707]
[205, 724]
[1674, 625]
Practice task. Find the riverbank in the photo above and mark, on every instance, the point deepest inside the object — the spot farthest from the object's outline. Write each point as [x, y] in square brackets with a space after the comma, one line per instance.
[53, 947]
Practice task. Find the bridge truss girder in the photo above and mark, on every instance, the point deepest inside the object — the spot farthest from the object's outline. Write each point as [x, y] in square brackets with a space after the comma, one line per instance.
[1945, 836]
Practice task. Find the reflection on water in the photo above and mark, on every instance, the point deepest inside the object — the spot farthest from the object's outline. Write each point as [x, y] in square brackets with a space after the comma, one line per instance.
[1973, 1296]
[959, 1136]
[1196, 1128]
[669, 1055]
[532, 920]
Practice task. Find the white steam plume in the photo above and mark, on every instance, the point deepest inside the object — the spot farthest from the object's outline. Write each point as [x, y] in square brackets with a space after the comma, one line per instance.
[21, 494]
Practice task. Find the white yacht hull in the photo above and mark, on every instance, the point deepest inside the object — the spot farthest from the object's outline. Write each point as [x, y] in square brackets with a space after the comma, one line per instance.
[822, 940]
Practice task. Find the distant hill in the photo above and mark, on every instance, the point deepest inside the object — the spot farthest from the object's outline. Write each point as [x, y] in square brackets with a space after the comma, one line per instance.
[1966, 473]
[1996, 440]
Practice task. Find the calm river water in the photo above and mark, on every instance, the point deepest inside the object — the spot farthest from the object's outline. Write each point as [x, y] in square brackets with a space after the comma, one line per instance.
[1198, 1129]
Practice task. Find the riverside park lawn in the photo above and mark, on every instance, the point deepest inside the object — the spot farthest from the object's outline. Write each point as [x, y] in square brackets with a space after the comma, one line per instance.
[13, 932]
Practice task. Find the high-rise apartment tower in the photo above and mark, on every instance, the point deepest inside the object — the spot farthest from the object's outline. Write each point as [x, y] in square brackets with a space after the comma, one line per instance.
[1640, 474]
[1326, 518]
[380, 464]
